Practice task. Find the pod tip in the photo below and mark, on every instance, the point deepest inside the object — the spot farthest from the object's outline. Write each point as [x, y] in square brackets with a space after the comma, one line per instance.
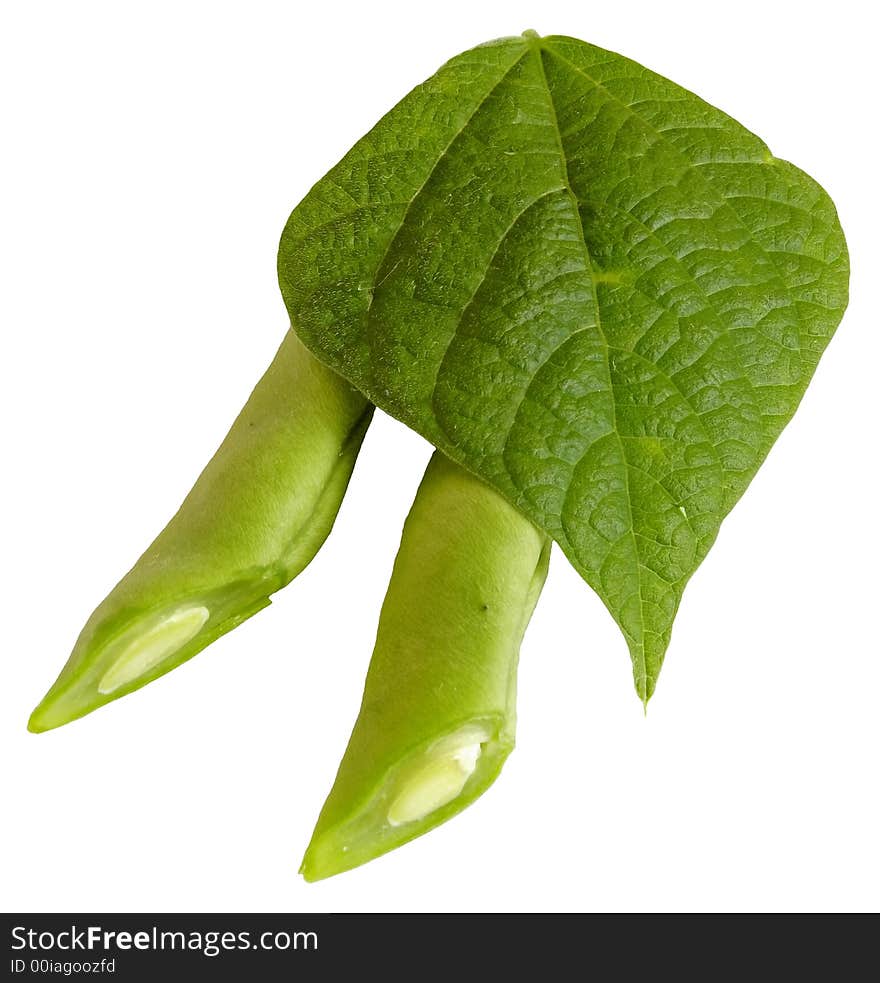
[38, 722]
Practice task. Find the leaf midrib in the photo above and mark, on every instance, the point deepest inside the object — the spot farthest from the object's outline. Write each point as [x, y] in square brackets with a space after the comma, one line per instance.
[642, 683]
[727, 478]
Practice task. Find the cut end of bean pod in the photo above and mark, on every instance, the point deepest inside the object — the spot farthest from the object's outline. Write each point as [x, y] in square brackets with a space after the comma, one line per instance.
[153, 646]
[122, 655]
[431, 785]
[438, 776]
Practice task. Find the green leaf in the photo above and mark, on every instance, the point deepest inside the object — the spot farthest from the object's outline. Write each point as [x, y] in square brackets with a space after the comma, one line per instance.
[584, 284]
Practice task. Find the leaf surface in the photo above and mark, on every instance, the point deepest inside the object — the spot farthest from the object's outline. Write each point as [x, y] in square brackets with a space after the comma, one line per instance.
[583, 283]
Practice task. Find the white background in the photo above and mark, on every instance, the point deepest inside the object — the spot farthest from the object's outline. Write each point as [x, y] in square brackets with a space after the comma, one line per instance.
[151, 154]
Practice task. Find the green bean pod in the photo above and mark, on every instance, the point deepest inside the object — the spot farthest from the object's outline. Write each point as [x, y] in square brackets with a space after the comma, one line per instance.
[254, 519]
[438, 715]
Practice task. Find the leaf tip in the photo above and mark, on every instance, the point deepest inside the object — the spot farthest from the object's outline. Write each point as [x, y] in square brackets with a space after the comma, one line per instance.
[645, 686]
